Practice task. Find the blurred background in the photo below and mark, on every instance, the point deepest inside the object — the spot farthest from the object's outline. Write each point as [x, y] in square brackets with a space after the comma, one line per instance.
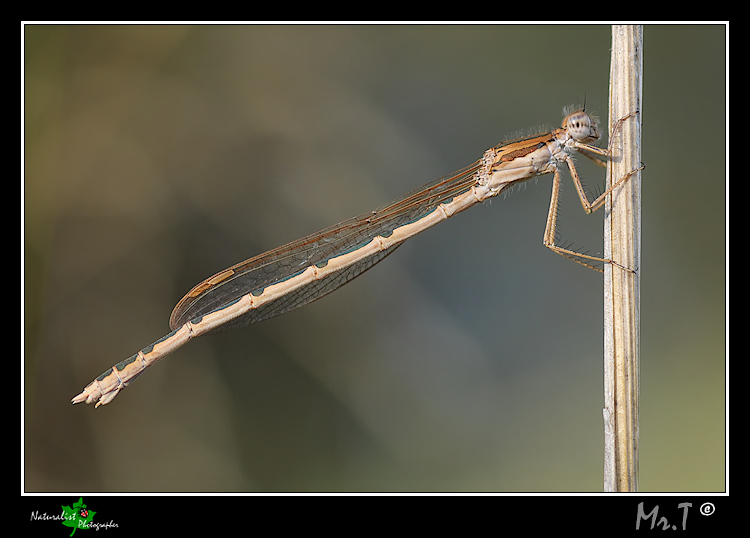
[469, 360]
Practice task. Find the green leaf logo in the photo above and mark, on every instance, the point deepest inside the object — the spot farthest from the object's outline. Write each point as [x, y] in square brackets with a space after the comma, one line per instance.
[78, 516]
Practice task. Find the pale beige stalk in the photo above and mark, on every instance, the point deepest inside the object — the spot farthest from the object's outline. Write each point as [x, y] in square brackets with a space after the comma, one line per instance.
[622, 236]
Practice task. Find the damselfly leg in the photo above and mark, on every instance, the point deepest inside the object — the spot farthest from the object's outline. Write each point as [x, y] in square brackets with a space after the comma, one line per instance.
[550, 230]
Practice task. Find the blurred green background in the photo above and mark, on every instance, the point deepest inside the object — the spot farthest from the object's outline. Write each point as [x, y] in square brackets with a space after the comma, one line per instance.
[470, 360]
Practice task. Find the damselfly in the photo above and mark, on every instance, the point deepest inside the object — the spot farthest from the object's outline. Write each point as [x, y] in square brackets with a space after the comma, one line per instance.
[302, 271]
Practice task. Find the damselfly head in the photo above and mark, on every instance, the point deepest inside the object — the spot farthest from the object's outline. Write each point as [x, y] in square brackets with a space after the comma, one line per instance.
[582, 126]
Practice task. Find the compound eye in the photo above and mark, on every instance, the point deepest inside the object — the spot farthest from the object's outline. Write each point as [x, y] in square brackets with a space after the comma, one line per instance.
[580, 126]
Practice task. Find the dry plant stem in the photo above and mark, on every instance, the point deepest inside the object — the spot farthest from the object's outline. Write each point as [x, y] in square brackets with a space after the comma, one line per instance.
[622, 231]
